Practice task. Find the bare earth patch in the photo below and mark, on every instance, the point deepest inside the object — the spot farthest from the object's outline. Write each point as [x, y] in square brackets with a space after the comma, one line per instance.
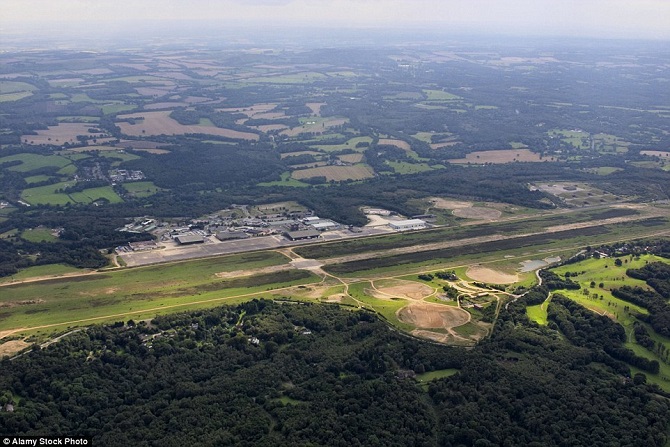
[433, 316]
[465, 209]
[12, 347]
[407, 289]
[485, 274]
[445, 204]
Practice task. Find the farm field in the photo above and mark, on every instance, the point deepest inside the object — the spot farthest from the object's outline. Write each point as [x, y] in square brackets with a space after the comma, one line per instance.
[160, 123]
[337, 173]
[501, 156]
[65, 133]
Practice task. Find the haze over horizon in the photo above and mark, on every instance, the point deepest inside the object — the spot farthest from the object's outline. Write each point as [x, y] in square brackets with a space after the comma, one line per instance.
[619, 19]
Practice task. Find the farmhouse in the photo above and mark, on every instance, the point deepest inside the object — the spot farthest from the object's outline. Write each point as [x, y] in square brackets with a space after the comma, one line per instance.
[409, 224]
[302, 234]
[188, 239]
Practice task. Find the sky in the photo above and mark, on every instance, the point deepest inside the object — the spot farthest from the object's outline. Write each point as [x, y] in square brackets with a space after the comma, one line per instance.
[646, 19]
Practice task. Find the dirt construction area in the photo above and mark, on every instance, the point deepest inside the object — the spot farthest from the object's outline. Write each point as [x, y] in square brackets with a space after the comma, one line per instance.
[406, 289]
[466, 210]
[484, 274]
[433, 316]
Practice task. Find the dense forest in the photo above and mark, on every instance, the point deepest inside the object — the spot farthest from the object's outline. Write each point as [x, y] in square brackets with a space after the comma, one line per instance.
[267, 373]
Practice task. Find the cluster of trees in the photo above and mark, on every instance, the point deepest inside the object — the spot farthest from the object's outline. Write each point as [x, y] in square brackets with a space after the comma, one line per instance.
[265, 373]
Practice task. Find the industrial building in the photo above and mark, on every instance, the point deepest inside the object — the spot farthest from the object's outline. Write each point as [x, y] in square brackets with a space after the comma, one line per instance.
[409, 224]
[188, 239]
[302, 234]
[231, 235]
[325, 225]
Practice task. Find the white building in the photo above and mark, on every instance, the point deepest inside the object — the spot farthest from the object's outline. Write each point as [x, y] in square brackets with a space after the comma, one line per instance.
[325, 225]
[409, 224]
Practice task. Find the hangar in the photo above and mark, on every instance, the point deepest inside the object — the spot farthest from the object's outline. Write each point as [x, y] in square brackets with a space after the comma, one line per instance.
[188, 239]
[409, 224]
[302, 234]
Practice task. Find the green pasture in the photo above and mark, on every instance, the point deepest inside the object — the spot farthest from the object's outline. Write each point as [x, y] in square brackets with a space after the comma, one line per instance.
[538, 313]
[439, 95]
[47, 195]
[30, 162]
[16, 86]
[37, 179]
[92, 194]
[403, 167]
[604, 270]
[9, 97]
[580, 140]
[141, 189]
[121, 156]
[117, 292]
[38, 235]
[434, 375]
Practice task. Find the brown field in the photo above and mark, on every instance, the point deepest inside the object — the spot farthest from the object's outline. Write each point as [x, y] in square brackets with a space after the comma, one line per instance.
[337, 173]
[269, 127]
[433, 316]
[407, 289]
[485, 274]
[251, 111]
[446, 204]
[501, 156]
[661, 154]
[404, 145]
[160, 123]
[316, 107]
[63, 133]
[351, 158]
[318, 127]
[12, 347]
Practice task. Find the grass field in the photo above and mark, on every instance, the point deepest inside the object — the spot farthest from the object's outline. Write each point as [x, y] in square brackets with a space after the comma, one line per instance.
[41, 270]
[600, 300]
[439, 95]
[31, 162]
[286, 180]
[336, 173]
[47, 195]
[39, 235]
[149, 289]
[141, 189]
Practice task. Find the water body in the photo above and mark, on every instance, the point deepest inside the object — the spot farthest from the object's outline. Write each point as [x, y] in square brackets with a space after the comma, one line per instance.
[534, 264]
